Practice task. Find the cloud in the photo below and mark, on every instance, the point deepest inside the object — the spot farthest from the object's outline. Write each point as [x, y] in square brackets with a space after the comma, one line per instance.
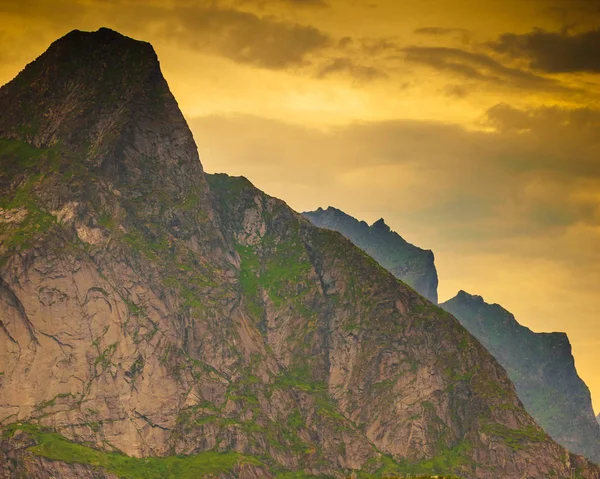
[246, 37]
[532, 172]
[291, 3]
[553, 52]
[208, 26]
[361, 73]
[307, 3]
[463, 34]
[458, 91]
[440, 31]
[476, 66]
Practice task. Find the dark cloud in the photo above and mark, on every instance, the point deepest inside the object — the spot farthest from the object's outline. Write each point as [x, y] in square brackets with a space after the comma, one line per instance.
[246, 37]
[560, 140]
[476, 66]
[362, 73]
[462, 33]
[441, 31]
[377, 46]
[307, 3]
[458, 91]
[292, 3]
[211, 26]
[554, 52]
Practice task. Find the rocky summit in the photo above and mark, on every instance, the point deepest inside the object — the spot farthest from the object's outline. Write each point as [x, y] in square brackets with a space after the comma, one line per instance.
[157, 322]
[542, 368]
[411, 264]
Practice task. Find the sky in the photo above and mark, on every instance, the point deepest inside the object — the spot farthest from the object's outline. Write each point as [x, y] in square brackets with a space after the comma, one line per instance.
[471, 127]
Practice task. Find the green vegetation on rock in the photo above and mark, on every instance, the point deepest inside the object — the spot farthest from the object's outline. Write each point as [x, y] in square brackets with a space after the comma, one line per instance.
[56, 447]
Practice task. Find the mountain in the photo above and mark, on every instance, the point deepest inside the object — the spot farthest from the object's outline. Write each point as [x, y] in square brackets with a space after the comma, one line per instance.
[411, 264]
[158, 322]
[542, 368]
[540, 365]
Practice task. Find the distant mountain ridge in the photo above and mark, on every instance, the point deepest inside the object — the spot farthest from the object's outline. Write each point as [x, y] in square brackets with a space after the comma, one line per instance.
[542, 368]
[413, 265]
[540, 364]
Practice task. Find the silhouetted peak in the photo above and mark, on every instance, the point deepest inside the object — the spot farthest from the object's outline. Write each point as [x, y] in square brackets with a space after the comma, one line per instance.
[380, 225]
[462, 294]
[334, 210]
[103, 41]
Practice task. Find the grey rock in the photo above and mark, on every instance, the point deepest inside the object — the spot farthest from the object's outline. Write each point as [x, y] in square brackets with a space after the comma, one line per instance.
[409, 263]
[542, 368]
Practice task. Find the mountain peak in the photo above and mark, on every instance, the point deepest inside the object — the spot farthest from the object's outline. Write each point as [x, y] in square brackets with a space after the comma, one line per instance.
[381, 225]
[108, 132]
[97, 97]
[77, 87]
[462, 294]
[104, 48]
[102, 35]
[542, 367]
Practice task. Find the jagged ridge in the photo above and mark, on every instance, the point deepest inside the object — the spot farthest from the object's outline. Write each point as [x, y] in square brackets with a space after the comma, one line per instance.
[413, 265]
[542, 368]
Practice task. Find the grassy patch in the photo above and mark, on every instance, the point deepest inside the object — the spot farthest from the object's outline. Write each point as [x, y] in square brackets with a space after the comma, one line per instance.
[56, 447]
[152, 248]
[20, 152]
[516, 439]
[300, 377]
[286, 268]
[35, 223]
[438, 466]
[249, 282]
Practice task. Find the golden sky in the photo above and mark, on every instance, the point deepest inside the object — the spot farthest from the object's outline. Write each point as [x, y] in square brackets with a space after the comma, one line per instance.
[472, 127]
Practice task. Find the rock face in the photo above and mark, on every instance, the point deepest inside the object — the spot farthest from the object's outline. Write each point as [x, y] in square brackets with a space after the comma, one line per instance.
[409, 263]
[542, 368]
[151, 310]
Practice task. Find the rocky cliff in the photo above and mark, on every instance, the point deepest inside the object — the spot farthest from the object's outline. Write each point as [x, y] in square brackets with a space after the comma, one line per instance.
[409, 263]
[156, 322]
[542, 368]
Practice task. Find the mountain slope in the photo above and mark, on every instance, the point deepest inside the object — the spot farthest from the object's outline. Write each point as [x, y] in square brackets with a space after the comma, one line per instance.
[542, 368]
[540, 365]
[413, 265]
[147, 310]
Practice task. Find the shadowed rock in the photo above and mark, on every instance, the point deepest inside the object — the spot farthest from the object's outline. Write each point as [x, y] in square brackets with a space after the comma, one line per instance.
[542, 368]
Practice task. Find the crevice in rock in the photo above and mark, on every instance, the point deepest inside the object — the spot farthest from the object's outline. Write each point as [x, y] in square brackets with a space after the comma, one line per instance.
[7, 332]
[149, 422]
[58, 341]
[14, 301]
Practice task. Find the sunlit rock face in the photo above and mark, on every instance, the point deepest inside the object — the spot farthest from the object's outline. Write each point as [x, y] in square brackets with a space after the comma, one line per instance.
[149, 309]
